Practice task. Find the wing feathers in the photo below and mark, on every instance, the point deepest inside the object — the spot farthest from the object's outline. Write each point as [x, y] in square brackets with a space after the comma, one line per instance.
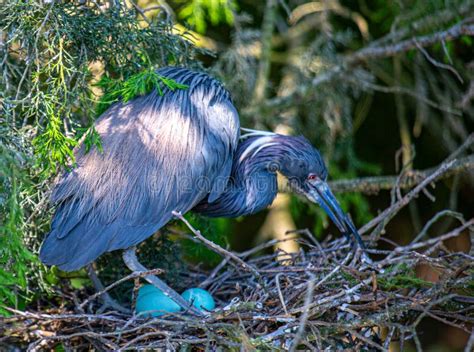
[157, 149]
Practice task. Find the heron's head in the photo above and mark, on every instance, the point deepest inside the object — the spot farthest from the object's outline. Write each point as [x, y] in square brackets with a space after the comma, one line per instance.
[304, 169]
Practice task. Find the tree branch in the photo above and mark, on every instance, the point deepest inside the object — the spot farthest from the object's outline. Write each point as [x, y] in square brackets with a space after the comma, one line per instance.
[214, 247]
[361, 56]
[264, 64]
[371, 185]
[388, 213]
[426, 23]
[405, 45]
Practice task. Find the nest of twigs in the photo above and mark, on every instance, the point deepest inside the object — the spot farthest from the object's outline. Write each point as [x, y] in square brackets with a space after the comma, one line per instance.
[323, 298]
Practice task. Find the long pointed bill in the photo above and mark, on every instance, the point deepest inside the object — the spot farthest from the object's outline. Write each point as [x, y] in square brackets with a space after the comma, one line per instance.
[321, 194]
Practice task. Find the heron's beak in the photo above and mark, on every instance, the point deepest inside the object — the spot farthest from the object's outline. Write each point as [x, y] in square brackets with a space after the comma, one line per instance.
[320, 193]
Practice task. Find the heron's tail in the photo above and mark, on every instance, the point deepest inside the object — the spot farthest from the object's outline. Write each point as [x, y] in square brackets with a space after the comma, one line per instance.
[74, 251]
[73, 247]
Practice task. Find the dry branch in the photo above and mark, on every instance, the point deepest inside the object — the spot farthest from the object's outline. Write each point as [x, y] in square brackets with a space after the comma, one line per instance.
[361, 56]
[328, 304]
[412, 177]
[323, 297]
[371, 53]
[371, 185]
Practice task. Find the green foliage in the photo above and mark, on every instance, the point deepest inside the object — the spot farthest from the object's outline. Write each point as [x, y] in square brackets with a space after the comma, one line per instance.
[197, 13]
[408, 280]
[14, 257]
[52, 55]
[215, 230]
[53, 147]
[136, 85]
[91, 138]
[397, 277]
[63, 40]
[405, 277]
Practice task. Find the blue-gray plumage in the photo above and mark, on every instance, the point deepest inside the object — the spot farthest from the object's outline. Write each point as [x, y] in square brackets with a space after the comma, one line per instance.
[175, 151]
[253, 183]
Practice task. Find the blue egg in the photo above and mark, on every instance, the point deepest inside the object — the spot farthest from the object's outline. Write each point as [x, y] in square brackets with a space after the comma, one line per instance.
[146, 289]
[151, 299]
[200, 298]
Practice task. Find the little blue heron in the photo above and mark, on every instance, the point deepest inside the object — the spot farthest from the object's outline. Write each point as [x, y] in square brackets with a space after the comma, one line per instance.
[180, 150]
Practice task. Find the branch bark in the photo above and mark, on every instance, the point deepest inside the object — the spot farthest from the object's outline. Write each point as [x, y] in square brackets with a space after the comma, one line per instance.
[372, 185]
[358, 58]
[370, 53]
[264, 64]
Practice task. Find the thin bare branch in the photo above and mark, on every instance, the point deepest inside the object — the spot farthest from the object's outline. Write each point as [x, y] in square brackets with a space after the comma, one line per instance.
[374, 184]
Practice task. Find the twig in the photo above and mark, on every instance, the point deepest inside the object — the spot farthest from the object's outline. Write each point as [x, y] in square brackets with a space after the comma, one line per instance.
[311, 238]
[440, 64]
[361, 56]
[406, 91]
[216, 248]
[280, 294]
[432, 241]
[371, 185]
[435, 218]
[214, 272]
[118, 282]
[368, 341]
[141, 12]
[406, 199]
[304, 317]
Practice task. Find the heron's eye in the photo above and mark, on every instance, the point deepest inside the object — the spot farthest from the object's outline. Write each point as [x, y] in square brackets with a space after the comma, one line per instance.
[312, 177]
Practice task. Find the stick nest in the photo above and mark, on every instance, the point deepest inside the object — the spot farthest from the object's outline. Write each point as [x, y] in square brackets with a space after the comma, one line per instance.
[323, 297]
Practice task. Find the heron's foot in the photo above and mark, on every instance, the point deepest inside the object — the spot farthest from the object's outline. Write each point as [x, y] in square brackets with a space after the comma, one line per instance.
[131, 260]
[107, 300]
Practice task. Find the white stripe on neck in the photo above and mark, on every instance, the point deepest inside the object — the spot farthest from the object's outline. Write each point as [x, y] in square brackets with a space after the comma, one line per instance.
[255, 133]
[257, 145]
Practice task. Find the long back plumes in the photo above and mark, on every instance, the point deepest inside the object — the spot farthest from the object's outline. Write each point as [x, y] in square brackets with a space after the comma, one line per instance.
[157, 149]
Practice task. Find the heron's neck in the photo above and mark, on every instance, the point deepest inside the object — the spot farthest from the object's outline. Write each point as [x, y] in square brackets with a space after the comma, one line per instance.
[253, 185]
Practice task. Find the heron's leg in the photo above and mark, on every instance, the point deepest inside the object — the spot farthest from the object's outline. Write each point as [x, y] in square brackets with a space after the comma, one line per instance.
[107, 300]
[131, 260]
